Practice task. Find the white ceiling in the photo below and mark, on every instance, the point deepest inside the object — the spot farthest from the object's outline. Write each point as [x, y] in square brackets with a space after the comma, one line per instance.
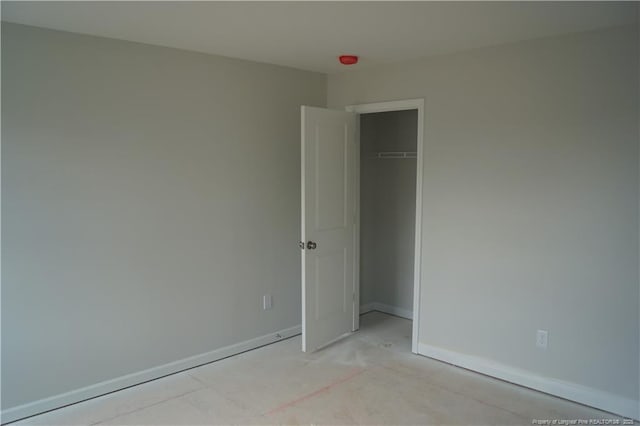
[310, 35]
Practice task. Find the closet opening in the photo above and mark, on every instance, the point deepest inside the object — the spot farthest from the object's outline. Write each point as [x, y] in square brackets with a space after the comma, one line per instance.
[388, 178]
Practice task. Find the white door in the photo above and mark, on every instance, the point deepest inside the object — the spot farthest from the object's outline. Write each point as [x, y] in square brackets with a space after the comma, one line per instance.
[328, 222]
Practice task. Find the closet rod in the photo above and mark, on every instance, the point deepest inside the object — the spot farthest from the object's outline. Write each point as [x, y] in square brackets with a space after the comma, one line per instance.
[395, 154]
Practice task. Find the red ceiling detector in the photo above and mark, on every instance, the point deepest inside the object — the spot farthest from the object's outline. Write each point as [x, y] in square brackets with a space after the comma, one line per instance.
[348, 59]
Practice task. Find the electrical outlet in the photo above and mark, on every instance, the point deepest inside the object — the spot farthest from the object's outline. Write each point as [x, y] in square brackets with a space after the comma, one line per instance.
[542, 339]
[267, 302]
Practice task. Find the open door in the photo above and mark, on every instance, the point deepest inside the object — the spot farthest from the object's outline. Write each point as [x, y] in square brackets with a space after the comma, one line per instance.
[328, 223]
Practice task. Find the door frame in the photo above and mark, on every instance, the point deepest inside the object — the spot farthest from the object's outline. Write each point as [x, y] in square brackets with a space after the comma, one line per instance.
[399, 105]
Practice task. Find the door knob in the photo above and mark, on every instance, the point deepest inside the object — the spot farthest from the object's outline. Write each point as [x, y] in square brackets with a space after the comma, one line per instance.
[311, 245]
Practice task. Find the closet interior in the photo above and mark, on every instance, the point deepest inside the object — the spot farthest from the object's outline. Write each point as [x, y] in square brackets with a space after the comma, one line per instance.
[388, 144]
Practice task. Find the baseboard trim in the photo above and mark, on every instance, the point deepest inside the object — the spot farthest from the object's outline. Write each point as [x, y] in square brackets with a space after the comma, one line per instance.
[366, 308]
[571, 391]
[387, 309]
[98, 389]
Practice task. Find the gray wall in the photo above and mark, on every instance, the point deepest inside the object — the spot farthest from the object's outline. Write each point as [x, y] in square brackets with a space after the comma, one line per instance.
[136, 181]
[150, 197]
[387, 209]
[530, 201]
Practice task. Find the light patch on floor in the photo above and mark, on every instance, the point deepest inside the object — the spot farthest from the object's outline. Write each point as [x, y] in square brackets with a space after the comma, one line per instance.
[370, 377]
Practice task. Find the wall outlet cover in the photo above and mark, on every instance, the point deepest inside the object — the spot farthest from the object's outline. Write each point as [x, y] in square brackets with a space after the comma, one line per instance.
[542, 339]
[267, 302]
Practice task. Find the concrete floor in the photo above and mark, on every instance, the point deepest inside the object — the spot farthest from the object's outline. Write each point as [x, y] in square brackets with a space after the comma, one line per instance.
[368, 378]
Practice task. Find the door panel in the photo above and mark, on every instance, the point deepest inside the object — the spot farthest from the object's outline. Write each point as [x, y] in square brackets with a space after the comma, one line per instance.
[328, 213]
[331, 284]
[331, 145]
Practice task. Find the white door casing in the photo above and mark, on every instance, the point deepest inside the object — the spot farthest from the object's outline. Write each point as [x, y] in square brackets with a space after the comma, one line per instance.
[400, 105]
[329, 159]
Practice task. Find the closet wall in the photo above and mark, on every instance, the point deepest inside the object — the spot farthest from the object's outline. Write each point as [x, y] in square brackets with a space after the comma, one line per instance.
[530, 207]
[387, 211]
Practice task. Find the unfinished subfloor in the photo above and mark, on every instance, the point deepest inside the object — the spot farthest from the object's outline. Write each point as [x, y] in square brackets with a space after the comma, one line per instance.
[368, 378]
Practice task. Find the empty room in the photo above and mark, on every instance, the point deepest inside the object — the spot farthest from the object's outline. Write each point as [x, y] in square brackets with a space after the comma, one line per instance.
[320, 212]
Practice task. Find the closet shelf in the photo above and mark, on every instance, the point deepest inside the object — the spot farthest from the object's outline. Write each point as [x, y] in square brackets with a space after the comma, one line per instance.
[394, 154]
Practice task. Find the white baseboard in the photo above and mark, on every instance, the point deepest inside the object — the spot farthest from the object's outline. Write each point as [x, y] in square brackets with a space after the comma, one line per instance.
[92, 391]
[584, 395]
[387, 309]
